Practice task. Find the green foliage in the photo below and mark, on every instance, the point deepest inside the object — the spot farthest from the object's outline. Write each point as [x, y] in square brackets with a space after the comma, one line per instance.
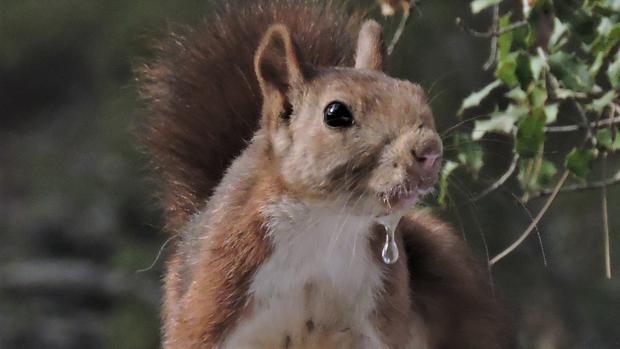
[531, 134]
[469, 153]
[606, 140]
[564, 55]
[571, 71]
[613, 71]
[500, 122]
[446, 171]
[475, 98]
[536, 173]
[579, 162]
[479, 5]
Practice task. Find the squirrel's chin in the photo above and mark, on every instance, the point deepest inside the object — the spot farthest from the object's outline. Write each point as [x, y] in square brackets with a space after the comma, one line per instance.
[403, 202]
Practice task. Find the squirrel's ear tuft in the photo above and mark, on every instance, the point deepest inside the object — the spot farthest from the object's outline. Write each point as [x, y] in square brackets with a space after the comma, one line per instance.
[277, 62]
[371, 52]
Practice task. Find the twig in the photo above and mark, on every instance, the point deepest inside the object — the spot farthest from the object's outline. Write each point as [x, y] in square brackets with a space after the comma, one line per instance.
[501, 180]
[493, 33]
[490, 33]
[493, 54]
[403, 24]
[586, 123]
[513, 26]
[581, 187]
[529, 214]
[534, 223]
[593, 125]
[614, 130]
[606, 222]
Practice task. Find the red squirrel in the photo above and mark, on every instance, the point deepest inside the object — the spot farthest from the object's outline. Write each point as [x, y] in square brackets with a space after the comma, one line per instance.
[282, 142]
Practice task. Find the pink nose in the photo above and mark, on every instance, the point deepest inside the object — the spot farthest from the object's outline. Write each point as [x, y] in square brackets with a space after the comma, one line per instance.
[427, 158]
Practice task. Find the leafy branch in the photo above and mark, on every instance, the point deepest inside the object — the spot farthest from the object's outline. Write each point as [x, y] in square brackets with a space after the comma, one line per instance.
[554, 56]
[581, 186]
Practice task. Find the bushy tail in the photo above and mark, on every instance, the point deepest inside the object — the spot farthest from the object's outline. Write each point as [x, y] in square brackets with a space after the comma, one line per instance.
[202, 97]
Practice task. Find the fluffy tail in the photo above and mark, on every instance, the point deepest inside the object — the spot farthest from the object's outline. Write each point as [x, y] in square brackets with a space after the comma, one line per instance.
[202, 96]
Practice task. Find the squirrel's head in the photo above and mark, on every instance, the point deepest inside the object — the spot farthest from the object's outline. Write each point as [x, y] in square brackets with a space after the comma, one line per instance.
[349, 133]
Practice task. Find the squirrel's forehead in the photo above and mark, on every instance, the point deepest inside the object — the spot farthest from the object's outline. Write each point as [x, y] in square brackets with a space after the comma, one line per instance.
[364, 83]
[367, 88]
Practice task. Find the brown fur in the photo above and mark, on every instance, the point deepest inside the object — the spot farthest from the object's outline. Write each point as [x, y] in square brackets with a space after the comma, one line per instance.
[206, 94]
[218, 295]
[449, 289]
[437, 279]
[394, 316]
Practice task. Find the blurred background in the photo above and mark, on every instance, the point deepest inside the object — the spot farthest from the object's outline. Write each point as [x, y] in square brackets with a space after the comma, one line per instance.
[79, 224]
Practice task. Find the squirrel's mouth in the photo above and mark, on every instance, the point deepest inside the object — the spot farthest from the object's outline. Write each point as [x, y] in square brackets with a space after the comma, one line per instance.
[404, 196]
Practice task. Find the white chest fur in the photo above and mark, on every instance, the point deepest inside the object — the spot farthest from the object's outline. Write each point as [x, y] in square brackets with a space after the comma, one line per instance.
[318, 287]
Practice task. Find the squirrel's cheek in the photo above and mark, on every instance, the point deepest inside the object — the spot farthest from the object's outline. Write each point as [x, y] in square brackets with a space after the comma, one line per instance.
[380, 180]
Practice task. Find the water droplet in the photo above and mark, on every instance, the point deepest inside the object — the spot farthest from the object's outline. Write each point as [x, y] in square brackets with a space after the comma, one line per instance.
[389, 253]
[389, 222]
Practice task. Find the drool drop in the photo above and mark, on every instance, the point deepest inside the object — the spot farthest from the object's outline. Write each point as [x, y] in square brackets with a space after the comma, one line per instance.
[389, 253]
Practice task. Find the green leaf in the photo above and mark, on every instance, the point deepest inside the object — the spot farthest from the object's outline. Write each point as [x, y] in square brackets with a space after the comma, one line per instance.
[551, 113]
[499, 122]
[578, 16]
[478, 5]
[599, 104]
[571, 71]
[579, 162]
[606, 140]
[562, 93]
[613, 71]
[535, 173]
[524, 70]
[525, 168]
[608, 36]
[547, 172]
[536, 65]
[538, 95]
[531, 134]
[469, 152]
[515, 68]
[475, 98]
[504, 41]
[521, 36]
[596, 65]
[446, 171]
[558, 37]
[506, 70]
[517, 95]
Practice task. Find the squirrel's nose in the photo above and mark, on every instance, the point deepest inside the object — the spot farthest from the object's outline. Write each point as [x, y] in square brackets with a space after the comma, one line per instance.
[427, 161]
[427, 155]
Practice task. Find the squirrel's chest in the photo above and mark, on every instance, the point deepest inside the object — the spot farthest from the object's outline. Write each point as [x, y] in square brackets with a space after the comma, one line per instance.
[318, 289]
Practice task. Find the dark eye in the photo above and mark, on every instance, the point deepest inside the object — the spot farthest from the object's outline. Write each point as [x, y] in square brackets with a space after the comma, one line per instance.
[337, 115]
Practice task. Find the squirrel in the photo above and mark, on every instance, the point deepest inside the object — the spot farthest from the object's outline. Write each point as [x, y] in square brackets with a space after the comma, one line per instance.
[280, 139]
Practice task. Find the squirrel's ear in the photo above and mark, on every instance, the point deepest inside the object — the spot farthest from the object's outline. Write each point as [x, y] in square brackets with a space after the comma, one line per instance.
[370, 53]
[276, 61]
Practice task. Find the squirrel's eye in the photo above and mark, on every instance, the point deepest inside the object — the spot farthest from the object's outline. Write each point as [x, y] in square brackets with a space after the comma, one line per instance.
[337, 115]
